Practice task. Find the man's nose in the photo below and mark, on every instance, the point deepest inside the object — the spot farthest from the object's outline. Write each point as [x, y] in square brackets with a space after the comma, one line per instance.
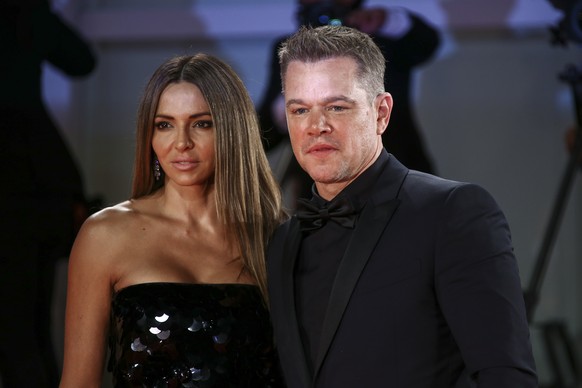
[318, 124]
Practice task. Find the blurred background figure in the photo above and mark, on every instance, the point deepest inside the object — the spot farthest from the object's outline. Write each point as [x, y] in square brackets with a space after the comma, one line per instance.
[406, 40]
[42, 201]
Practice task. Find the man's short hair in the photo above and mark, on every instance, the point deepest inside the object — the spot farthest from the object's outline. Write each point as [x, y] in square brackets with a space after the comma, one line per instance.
[313, 44]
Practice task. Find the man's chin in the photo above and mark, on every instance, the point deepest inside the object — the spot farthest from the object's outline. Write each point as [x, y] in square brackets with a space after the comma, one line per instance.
[322, 177]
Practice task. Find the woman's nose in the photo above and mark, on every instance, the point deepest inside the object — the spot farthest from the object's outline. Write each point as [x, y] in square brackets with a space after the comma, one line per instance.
[183, 140]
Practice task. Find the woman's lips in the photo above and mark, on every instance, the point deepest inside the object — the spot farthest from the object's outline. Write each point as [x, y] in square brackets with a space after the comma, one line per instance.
[184, 164]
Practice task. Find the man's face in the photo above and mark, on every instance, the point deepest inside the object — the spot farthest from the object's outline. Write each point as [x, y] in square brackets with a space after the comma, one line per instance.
[335, 130]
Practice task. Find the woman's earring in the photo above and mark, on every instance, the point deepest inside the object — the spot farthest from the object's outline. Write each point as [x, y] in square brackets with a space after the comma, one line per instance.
[157, 172]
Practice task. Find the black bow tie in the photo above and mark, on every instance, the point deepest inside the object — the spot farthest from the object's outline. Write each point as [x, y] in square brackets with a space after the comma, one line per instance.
[339, 210]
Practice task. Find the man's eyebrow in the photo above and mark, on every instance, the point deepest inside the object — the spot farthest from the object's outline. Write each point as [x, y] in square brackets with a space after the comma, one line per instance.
[326, 100]
[294, 101]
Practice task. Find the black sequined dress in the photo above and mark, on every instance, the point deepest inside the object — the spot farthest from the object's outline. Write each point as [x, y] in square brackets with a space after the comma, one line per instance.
[192, 335]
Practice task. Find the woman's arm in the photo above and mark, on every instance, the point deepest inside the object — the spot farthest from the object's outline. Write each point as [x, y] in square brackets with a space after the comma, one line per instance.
[88, 304]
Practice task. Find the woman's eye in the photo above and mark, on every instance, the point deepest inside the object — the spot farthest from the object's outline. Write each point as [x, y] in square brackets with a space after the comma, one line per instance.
[204, 124]
[162, 125]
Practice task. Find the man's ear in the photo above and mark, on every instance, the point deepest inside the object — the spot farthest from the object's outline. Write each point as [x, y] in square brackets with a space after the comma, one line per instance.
[383, 105]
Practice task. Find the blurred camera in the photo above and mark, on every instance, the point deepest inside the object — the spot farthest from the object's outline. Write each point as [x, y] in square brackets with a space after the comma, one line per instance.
[322, 14]
[570, 26]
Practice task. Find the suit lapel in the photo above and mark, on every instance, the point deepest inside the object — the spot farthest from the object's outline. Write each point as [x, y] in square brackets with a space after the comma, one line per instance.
[353, 262]
[373, 219]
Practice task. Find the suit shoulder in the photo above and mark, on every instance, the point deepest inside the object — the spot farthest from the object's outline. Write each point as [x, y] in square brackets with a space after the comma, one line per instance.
[428, 180]
[283, 228]
[420, 184]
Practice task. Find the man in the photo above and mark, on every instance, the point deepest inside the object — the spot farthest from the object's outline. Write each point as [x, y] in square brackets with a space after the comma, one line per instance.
[407, 41]
[417, 286]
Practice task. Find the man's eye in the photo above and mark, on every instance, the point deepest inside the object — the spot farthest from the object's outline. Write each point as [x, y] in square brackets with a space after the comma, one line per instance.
[299, 111]
[336, 108]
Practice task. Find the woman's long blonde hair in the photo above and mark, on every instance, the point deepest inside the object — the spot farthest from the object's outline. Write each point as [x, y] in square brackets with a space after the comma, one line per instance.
[248, 199]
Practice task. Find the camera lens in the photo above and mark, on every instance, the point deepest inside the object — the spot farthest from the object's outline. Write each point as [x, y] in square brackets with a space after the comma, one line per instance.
[321, 14]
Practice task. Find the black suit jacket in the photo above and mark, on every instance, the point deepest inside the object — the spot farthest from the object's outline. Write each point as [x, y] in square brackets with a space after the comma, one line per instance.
[427, 294]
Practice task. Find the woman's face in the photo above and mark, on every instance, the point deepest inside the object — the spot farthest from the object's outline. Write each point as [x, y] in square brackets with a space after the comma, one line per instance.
[183, 138]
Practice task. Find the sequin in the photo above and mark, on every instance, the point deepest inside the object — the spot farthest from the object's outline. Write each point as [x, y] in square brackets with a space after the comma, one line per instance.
[196, 325]
[163, 335]
[137, 346]
[192, 336]
[220, 338]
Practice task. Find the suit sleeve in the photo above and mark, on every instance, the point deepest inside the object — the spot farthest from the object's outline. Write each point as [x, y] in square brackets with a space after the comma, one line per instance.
[415, 47]
[62, 46]
[479, 289]
[270, 134]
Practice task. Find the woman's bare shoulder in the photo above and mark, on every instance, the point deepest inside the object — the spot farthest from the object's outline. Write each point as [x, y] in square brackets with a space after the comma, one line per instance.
[114, 217]
[110, 226]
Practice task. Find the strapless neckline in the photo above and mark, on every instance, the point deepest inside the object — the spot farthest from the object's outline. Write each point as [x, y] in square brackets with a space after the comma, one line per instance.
[146, 285]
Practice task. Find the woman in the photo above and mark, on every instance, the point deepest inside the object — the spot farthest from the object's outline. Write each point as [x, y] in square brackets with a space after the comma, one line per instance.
[174, 278]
